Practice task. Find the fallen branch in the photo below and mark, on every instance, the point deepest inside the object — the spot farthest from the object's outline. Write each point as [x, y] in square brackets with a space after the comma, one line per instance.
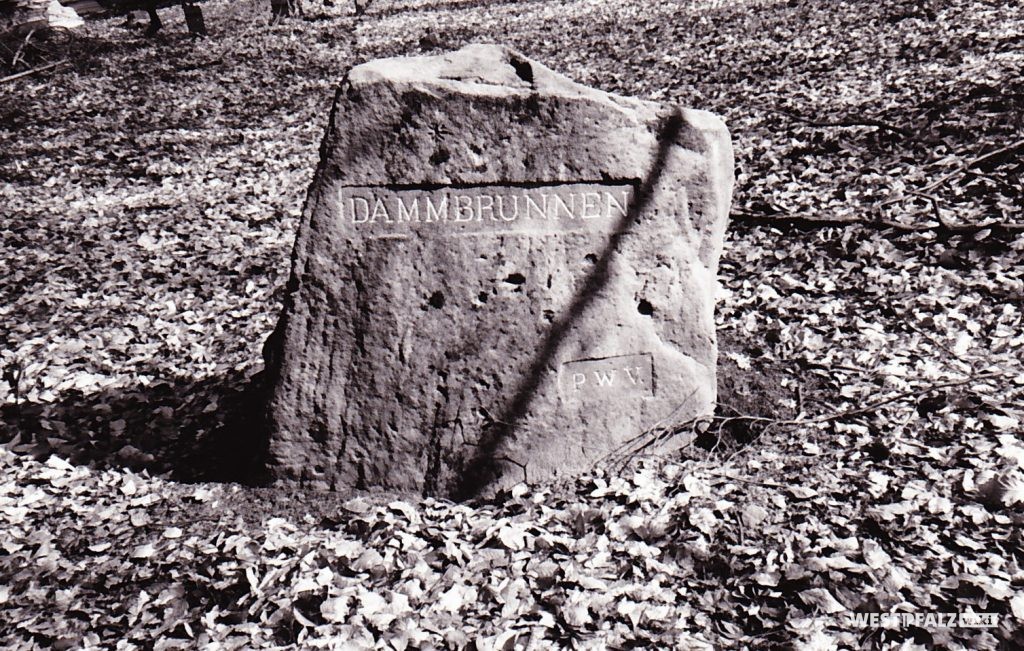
[32, 71]
[868, 408]
[958, 171]
[17, 54]
[950, 228]
[913, 393]
[858, 122]
[933, 200]
[621, 456]
[968, 165]
[743, 480]
[807, 222]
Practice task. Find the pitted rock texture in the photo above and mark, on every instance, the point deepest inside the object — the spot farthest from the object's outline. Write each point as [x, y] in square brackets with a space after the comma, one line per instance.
[500, 275]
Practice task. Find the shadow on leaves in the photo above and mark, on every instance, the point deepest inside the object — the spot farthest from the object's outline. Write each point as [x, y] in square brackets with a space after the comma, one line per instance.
[185, 429]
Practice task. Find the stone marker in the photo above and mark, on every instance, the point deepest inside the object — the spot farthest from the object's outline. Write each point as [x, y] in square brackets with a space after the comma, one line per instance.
[500, 275]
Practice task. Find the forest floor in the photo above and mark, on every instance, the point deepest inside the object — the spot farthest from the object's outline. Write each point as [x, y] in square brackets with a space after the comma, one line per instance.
[868, 451]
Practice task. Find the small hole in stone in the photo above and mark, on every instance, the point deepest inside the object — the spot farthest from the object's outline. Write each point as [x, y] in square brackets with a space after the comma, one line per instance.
[437, 300]
[440, 156]
[591, 258]
[516, 279]
[523, 70]
[482, 297]
[644, 307]
[320, 434]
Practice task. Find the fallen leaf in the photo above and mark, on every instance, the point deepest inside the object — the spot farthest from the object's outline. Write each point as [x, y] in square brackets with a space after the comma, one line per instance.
[874, 556]
[143, 551]
[512, 536]
[1017, 606]
[704, 519]
[822, 600]
[802, 492]
[753, 515]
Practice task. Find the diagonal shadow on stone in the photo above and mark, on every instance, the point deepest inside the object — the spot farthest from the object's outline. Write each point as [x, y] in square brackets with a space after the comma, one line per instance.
[483, 468]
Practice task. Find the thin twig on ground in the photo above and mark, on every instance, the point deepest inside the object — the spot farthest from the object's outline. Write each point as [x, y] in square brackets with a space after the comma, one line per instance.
[913, 393]
[971, 163]
[32, 71]
[623, 455]
[840, 415]
[744, 480]
[17, 54]
[844, 123]
[958, 171]
[805, 222]
[935, 206]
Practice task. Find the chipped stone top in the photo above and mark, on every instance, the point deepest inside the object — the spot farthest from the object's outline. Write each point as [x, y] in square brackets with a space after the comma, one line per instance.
[476, 115]
[481, 69]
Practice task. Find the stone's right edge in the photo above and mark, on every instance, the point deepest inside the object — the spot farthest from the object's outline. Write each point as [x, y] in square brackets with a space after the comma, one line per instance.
[675, 371]
[718, 154]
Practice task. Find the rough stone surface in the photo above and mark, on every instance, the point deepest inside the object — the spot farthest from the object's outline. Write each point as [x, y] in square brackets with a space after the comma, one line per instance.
[500, 274]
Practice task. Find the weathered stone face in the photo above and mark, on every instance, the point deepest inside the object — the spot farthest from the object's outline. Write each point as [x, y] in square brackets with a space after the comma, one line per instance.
[500, 274]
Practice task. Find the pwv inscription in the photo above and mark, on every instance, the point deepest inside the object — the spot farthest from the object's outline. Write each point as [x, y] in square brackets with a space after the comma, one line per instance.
[383, 212]
[619, 375]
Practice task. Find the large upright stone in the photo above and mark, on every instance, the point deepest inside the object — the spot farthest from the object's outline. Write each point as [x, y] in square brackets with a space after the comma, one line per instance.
[500, 274]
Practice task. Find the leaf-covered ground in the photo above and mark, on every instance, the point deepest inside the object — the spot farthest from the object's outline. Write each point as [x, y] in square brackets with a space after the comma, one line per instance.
[867, 455]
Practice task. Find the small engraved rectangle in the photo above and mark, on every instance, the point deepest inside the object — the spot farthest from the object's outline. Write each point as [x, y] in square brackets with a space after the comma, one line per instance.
[452, 211]
[609, 377]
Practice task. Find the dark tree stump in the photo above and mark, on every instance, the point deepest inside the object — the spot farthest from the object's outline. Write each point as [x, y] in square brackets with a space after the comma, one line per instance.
[154, 22]
[194, 18]
[280, 9]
